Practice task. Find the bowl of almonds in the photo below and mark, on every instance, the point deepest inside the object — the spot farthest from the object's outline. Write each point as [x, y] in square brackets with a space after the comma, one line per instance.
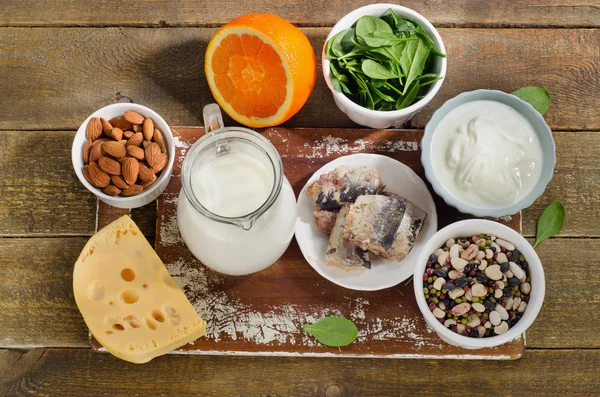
[124, 154]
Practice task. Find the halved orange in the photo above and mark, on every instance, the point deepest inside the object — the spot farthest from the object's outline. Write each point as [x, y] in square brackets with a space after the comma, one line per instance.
[261, 69]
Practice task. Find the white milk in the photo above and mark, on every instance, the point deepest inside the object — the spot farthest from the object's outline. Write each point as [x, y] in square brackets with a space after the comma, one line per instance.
[486, 153]
[235, 185]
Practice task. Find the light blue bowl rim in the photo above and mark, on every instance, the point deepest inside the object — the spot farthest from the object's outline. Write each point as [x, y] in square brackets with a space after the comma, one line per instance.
[540, 127]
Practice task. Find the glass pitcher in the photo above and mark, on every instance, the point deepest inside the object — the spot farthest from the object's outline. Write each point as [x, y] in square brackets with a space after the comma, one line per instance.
[236, 210]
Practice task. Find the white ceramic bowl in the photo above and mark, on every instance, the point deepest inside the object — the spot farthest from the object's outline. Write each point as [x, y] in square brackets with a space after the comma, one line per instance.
[469, 228]
[399, 179]
[392, 118]
[145, 197]
[540, 127]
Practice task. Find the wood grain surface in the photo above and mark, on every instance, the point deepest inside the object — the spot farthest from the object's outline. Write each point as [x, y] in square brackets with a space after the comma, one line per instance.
[53, 78]
[557, 13]
[82, 372]
[40, 194]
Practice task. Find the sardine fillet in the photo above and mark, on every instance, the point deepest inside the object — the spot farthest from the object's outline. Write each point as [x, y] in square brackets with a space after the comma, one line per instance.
[340, 252]
[325, 220]
[387, 225]
[343, 185]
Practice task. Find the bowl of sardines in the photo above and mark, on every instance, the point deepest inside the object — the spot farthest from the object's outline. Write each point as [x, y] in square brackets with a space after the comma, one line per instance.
[362, 221]
[383, 63]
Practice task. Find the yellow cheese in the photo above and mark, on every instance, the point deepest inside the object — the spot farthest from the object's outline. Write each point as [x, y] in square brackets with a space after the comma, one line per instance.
[127, 298]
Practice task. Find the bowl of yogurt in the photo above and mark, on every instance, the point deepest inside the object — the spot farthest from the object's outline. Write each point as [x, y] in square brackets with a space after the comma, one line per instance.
[488, 153]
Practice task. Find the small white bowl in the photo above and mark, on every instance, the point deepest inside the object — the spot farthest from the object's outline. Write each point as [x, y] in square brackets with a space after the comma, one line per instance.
[392, 118]
[399, 179]
[145, 197]
[469, 228]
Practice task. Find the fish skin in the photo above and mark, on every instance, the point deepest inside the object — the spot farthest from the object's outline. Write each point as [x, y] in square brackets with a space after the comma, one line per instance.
[343, 185]
[387, 225]
[340, 252]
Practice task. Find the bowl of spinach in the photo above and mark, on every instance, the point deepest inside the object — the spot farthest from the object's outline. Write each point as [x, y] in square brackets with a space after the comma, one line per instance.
[383, 63]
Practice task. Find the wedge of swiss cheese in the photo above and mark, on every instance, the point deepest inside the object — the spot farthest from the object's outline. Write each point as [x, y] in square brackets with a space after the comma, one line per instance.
[127, 298]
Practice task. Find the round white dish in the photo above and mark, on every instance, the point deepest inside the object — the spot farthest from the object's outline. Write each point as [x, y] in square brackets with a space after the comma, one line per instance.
[398, 179]
[471, 227]
[392, 118]
[539, 125]
[145, 197]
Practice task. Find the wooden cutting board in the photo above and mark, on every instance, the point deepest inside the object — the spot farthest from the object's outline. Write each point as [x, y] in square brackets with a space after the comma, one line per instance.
[263, 314]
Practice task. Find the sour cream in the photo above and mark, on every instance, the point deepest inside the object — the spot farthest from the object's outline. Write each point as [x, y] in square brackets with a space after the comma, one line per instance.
[486, 154]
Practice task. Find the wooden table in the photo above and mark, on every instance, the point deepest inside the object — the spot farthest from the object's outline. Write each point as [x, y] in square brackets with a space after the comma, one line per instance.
[60, 60]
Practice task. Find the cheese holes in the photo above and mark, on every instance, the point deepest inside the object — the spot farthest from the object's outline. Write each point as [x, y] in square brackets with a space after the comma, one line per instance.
[129, 296]
[151, 324]
[118, 327]
[109, 332]
[157, 315]
[127, 274]
[96, 291]
[173, 314]
[132, 321]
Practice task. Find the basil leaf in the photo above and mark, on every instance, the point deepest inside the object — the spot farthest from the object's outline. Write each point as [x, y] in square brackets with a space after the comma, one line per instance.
[333, 331]
[376, 70]
[418, 63]
[550, 222]
[537, 97]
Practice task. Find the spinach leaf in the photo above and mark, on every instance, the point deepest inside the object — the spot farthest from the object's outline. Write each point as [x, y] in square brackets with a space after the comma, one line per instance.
[347, 40]
[376, 70]
[409, 98]
[336, 45]
[370, 24]
[333, 331]
[407, 56]
[550, 222]
[537, 97]
[418, 63]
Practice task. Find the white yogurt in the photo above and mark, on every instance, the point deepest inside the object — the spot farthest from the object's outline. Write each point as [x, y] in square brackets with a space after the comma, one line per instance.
[233, 185]
[486, 153]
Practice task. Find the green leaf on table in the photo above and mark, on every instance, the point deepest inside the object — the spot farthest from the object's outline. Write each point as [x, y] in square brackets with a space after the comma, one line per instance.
[333, 331]
[550, 222]
[537, 97]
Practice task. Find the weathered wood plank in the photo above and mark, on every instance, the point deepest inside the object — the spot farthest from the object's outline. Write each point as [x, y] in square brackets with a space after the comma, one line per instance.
[52, 78]
[38, 309]
[36, 293]
[40, 193]
[538, 373]
[306, 13]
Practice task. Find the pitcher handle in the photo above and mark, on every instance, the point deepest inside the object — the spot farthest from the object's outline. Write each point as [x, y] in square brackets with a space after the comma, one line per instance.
[213, 120]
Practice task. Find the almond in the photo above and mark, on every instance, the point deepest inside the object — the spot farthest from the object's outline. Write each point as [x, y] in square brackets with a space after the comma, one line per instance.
[135, 152]
[121, 123]
[114, 149]
[145, 144]
[160, 139]
[97, 177]
[130, 169]
[164, 159]
[96, 151]
[112, 190]
[132, 191]
[148, 129]
[145, 173]
[136, 139]
[118, 181]
[138, 128]
[106, 127]
[123, 142]
[94, 129]
[87, 147]
[133, 117]
[146, 185]
[116, 134]
[128, 134]
[109, 166]
[153, 153]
